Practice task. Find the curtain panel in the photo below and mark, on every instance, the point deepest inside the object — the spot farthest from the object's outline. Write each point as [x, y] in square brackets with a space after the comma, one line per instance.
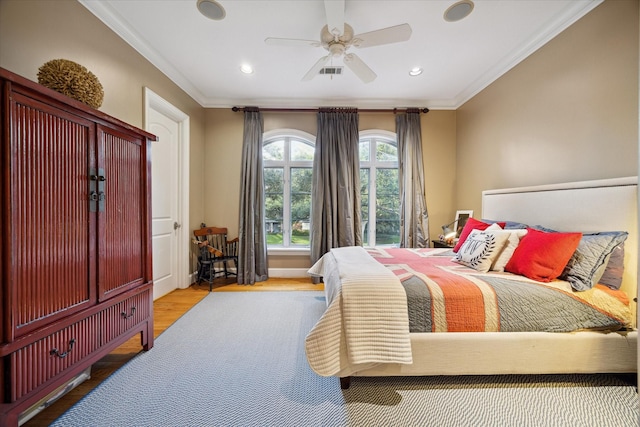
[252, 245]
[335, 214]
[414, 219]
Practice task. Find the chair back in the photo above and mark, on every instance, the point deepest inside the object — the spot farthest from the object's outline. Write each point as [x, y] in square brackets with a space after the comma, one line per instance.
[216, 237]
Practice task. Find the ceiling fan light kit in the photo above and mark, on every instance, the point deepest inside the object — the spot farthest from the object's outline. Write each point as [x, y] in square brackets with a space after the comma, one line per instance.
[458, 11]
[211, 9]
[337, 37]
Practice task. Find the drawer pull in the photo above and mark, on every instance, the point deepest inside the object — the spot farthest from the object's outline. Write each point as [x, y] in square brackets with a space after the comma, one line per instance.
[126, 316]
[55, 352]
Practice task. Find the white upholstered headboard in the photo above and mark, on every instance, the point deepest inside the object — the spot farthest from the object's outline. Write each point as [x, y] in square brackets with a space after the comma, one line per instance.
[586, 206]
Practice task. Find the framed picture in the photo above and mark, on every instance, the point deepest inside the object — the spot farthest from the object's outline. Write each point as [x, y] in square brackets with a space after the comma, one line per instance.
[461, 220]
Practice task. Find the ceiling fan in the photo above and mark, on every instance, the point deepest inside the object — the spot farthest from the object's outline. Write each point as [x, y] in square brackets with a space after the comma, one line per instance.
[337, 36]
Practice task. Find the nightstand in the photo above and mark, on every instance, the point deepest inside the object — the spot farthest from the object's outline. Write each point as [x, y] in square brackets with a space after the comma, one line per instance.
[441, 244]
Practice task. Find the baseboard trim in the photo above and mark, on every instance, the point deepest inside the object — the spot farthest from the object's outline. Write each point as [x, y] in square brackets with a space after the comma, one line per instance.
[288, 273]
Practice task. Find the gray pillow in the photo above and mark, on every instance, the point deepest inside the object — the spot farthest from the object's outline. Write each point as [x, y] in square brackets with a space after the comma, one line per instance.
[588, 263]
[612, 276]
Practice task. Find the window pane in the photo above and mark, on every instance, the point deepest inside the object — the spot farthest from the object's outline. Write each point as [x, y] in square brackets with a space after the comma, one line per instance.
[273, 194]
[273, 180]
[301, 151]
[301, 180]
[387, 182]
[300, 205]
[364, 203]
[364, 151]
[387, 207]
[300, 220]
[273, 150]
[386, 152]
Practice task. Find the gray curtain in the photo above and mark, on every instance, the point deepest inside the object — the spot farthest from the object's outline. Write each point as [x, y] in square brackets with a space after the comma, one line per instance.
[252, 245]
[414, 219]
[335, 214]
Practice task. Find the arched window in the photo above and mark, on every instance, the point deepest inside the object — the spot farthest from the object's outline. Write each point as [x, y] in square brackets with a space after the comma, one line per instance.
[287, 161]
[379, 188]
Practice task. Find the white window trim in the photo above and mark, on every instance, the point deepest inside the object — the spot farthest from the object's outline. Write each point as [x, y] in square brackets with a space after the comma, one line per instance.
[288, 132]
[378, 132]
[290, 251]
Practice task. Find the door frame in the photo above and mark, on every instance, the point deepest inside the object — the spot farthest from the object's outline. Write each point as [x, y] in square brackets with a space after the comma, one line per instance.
[157, 103]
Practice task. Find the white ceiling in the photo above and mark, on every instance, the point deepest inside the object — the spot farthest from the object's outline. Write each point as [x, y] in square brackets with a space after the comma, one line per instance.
[459, 59]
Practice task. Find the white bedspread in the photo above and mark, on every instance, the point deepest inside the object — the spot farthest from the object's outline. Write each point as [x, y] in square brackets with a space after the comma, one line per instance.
[366, 321]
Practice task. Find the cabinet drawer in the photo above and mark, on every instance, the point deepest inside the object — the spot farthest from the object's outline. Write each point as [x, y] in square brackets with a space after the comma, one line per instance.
[124, 315]
[38, 362]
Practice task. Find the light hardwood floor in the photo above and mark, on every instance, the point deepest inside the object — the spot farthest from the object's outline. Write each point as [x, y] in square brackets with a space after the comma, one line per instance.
[166, 311]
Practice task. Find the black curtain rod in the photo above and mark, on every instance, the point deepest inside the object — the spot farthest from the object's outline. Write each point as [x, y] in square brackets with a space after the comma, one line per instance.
[315, 110]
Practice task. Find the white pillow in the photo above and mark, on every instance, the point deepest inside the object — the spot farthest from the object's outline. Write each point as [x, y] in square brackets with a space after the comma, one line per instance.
[481, 248]
[505, 255]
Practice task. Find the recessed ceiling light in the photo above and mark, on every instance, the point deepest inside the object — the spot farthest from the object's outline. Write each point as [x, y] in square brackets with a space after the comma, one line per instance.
[247, 69]
[415, 71]
[211, 9]
[458, 11]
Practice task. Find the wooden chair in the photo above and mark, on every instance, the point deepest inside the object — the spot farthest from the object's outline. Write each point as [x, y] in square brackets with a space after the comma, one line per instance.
[215, 250]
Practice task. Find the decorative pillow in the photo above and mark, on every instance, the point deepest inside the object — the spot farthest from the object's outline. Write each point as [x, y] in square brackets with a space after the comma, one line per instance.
[481, 248]
[612, 276]
[542, 256]
[510, 246]
[472, 224]
[588, 262]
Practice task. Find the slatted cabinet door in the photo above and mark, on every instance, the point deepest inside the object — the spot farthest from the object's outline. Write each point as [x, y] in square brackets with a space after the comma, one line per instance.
[122, 212]
[49, 218]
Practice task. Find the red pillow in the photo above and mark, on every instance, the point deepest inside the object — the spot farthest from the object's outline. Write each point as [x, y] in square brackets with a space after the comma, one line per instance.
[473, 224]
[542, 256]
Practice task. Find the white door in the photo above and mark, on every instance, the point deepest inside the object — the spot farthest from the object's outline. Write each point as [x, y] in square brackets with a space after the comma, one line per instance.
[169, 190]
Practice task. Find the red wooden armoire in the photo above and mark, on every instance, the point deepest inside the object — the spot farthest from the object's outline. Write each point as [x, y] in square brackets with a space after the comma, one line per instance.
[75, 241]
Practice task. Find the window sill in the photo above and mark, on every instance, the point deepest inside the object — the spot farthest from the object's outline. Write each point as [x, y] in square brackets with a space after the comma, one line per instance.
[289, 251]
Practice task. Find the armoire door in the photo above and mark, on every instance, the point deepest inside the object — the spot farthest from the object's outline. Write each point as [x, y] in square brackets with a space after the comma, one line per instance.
[48, 221]
[122, 212]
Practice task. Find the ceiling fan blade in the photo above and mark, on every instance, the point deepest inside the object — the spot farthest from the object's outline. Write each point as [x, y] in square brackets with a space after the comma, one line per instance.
[359, 68]
[273, 41]
[335, 16]
[316, 68]
[398, 33]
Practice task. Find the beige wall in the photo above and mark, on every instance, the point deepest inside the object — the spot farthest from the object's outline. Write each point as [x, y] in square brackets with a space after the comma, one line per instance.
[35, 31]
[569, 112]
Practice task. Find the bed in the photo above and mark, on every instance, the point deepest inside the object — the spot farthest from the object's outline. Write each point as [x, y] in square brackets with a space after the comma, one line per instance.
[365, 329]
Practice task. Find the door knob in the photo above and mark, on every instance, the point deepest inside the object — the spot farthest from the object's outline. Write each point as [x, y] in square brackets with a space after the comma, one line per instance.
[176, 225]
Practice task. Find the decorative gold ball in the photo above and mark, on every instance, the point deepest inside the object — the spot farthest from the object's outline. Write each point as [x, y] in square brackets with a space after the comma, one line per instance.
[73, 80]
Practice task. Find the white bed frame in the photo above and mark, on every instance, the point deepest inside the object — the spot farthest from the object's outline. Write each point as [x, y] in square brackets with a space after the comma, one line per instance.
[603, 205]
